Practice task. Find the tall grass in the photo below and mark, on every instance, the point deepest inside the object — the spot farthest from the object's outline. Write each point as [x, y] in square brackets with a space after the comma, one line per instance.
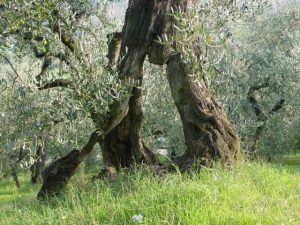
[251, 193]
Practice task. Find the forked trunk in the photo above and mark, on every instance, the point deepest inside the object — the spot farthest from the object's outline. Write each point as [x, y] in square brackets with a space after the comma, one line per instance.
[208, 133]
[262, 116]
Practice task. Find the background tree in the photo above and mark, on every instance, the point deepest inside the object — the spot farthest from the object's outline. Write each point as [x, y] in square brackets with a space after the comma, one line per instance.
[258, 75]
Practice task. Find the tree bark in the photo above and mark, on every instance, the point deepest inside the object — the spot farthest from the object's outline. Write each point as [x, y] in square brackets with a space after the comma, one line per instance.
[123, 146]
[39, 164]
[208, 133]
[57, 175]
[207, 130]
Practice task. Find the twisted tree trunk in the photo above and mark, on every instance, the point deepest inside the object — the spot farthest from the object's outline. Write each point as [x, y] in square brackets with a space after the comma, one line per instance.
[123, 146]
[208, 133]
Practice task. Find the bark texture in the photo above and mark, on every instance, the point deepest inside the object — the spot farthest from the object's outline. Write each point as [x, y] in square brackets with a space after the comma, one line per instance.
[207, 130]
[208, 133]
[145, 20]
[123, 146]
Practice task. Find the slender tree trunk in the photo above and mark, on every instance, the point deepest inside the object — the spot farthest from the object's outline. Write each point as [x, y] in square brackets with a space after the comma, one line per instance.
[39, 164]
[14, 165]
[261, 115]
[15, 176]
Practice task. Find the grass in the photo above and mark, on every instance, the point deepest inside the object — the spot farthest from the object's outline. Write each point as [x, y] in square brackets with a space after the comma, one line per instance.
[291, 159]
[251, 193]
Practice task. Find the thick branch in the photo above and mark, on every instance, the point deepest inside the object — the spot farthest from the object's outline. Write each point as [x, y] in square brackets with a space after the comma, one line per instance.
[253, 101]
[57, 175]
[54, 84]
[65, 37]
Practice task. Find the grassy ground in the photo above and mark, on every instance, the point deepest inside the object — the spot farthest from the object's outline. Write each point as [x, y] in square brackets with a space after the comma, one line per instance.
[291, 159]
[248, 194]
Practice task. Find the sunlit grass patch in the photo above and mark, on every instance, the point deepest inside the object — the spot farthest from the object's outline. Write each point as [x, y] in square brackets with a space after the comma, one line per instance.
[251, 193]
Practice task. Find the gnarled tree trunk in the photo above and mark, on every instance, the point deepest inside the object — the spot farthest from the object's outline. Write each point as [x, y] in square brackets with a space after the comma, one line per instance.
[208, 133]
[123, 146]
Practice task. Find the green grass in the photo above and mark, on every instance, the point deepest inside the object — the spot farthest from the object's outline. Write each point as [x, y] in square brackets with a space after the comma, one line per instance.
[251, 193]
[292, 159]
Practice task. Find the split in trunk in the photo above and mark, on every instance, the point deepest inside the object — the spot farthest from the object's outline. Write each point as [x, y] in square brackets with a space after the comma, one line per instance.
[208, 133]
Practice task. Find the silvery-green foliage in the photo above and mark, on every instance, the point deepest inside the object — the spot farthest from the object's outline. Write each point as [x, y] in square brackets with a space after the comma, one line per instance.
[202, 34]
[59, 115]
[160, 111]
[264, 49]
[93, 87]
[241, 44]
[27, 114]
